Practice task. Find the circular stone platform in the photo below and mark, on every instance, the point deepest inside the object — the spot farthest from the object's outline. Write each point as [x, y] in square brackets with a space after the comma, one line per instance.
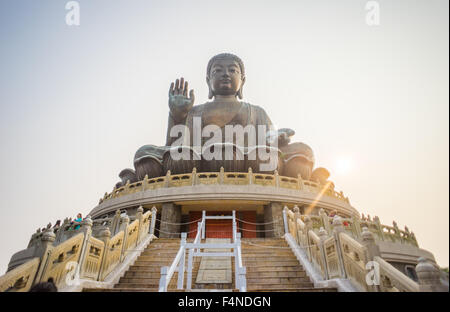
[234, 189]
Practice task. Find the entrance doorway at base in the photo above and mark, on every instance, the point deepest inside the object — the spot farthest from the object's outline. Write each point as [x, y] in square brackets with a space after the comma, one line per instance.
[224, 228]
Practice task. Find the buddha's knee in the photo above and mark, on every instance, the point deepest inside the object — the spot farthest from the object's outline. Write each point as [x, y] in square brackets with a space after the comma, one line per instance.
[181, 159]
[264, 159]
[223, 155]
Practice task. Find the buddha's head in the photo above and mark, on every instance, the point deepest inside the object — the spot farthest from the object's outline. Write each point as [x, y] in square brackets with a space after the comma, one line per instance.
[225, 75]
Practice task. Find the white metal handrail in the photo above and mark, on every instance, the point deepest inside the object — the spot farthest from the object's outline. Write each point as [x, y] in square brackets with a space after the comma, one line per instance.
[167, 272]
[194, 251]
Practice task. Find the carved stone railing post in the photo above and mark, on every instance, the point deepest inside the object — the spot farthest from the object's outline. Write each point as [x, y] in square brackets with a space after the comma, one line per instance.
[153, 222]
[194, 176]
[373, 250]
[144, 182]
[104, 236]
[115, 223]
[323, 235]
[60, 232]
[86, 228]
[250, 175]
[429, 277]
[308, 226]
[296, 211]
[368, 240]
[221, 175]
[139, 217]
[167, 179]
[285, 220]
[337, 229]
[379, 228]
[43, 251]
[277, 178]
[325, 220]
[300, 182]
[124, 221]
[127, 187]
[397, 232]
[356, 225]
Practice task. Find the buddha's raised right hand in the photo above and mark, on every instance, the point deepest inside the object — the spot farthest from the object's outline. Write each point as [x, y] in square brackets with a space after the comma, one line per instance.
[179, 103]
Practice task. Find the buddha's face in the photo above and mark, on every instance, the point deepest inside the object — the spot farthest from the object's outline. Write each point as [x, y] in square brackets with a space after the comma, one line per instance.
[225, 77]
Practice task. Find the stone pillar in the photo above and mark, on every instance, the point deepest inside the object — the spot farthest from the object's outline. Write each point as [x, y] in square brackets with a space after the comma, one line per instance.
[274, 212]
[260, 227]
[170, 214]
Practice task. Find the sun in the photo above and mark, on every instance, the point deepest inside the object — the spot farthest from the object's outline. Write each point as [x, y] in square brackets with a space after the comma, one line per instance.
[344, 165]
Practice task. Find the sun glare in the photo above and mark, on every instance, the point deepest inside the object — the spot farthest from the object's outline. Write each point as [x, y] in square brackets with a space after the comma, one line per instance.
[344, 165]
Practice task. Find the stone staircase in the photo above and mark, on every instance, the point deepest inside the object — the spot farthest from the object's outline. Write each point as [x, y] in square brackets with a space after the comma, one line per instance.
[268, 269]
[272, 267]
[144, 274]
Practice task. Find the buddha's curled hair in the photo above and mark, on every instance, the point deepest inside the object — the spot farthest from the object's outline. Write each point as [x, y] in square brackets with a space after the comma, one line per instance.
[225, 56]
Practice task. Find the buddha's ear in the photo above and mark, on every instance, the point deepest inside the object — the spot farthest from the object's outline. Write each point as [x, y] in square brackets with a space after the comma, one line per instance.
[210, 92]
[239, 93]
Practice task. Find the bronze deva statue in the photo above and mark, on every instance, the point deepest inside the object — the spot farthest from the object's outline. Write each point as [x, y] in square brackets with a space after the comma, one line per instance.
[148, 161]
[320, 175]
[225, 76]
[298, 159]
[126, 175]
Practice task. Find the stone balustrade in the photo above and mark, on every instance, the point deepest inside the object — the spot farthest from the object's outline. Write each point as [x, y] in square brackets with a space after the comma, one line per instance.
[86, 253]
[21, 278]
[354, 225]
[227, 178]
[347, 249]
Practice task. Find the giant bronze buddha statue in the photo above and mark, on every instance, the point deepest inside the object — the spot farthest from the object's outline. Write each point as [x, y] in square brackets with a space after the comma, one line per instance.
[225, 77]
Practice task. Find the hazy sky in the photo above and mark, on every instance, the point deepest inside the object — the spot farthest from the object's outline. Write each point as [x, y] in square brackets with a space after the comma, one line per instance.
[78, 101]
